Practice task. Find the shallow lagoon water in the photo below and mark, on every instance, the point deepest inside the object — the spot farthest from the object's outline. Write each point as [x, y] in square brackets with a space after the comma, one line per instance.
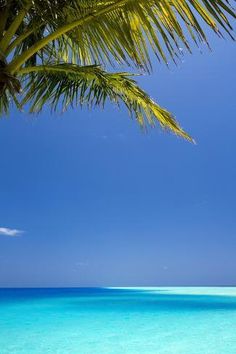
[118, 321]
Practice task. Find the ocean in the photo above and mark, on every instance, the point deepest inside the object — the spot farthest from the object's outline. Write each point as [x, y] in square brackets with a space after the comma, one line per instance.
[118, 321]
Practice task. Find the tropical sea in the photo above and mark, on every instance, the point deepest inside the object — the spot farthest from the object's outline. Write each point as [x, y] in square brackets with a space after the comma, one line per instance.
[118, 321]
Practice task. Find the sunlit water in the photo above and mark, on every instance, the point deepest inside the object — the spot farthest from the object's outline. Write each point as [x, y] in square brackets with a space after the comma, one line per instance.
[118, 321]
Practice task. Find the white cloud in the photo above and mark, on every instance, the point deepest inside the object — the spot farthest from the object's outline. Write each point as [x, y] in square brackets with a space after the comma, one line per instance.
[10, 232]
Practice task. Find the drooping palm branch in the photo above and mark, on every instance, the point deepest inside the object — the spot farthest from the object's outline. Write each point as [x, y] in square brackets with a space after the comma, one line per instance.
[57, 51]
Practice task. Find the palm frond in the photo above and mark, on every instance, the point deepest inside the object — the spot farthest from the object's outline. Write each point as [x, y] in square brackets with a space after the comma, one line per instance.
[123, 31]
[56, 46]
[64, 85]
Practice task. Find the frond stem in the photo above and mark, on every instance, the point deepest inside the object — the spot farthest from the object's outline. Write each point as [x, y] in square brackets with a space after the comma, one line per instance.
[13, 28]
[19, 61]
[20, 39]
[3, 20]
[38, 68]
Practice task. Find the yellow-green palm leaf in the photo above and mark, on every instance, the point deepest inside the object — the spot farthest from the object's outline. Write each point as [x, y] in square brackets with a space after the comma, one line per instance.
[37, 38]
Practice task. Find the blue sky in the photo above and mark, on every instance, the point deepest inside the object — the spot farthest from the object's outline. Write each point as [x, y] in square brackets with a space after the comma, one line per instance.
[100, 203]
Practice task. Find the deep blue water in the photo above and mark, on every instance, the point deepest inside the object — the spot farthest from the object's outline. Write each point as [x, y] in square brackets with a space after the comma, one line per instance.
[118, 321]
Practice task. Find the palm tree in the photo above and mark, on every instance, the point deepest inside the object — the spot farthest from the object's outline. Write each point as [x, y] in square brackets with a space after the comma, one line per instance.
[57, 51]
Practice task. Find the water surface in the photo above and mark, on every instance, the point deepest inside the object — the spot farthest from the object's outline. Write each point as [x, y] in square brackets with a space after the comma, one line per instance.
[118, 321]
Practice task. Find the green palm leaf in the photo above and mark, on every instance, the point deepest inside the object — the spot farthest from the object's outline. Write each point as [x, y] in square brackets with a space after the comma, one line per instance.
[64, 85]
[75, 36]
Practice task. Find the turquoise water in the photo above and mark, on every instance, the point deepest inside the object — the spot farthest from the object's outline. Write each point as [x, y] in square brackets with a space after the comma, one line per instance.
[118, 321]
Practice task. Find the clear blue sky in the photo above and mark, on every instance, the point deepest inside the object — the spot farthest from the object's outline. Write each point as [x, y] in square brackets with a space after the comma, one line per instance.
[101, 203]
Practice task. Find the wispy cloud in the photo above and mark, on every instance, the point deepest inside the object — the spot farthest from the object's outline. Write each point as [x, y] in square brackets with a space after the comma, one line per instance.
[82, 264]
[10, 232]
